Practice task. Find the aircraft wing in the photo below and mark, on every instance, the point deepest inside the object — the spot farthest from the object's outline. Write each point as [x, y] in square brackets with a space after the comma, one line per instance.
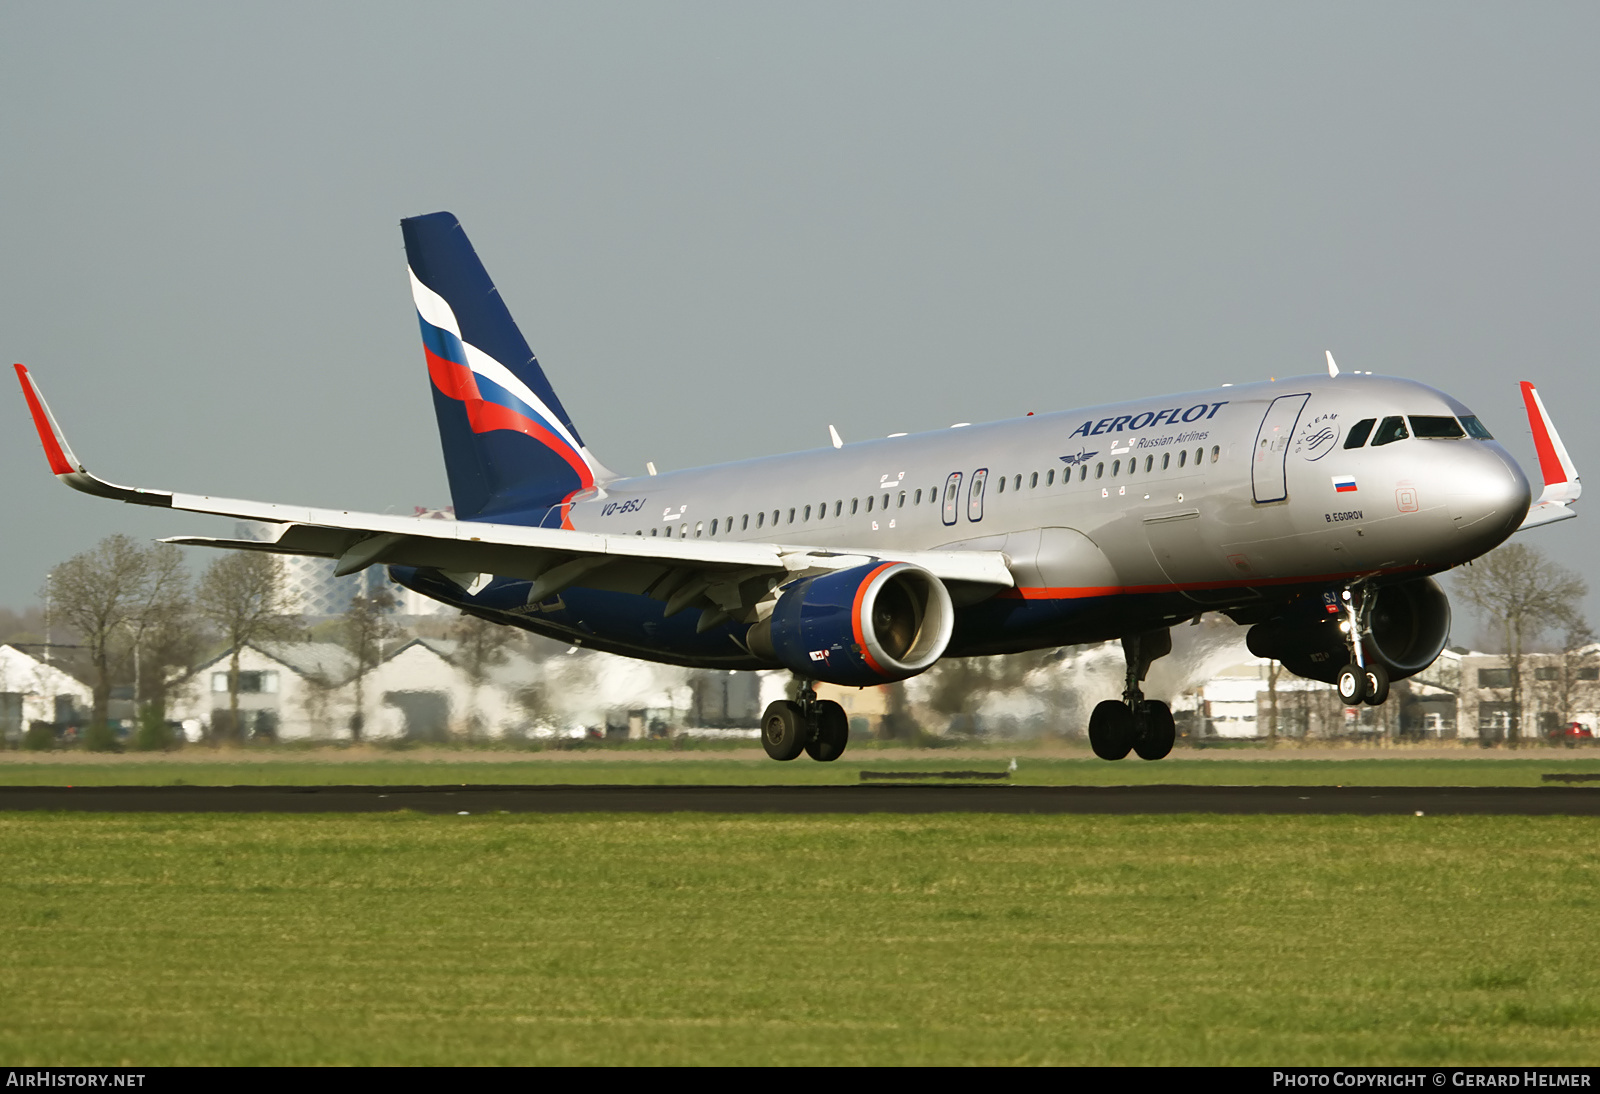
[682, 572]
[1562, 486]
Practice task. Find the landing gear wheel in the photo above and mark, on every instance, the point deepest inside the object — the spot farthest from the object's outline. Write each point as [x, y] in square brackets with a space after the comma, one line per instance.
[1352, 684]
[1111, 729]
[833, 731]
[784, 730]
[1377, 685]
[1154, 731]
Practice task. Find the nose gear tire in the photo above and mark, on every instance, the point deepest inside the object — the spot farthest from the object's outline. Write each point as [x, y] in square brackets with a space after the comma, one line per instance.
[1377, 685]
[1352, 684]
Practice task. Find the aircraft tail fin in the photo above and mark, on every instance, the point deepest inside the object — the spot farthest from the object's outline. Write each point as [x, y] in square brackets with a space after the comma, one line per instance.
[510, 448]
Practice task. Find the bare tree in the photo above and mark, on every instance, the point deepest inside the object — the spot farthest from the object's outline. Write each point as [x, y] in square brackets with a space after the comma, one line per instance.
[367, 627]
[481, 645]
[115, 597]
[242, 596]
[1524, 595]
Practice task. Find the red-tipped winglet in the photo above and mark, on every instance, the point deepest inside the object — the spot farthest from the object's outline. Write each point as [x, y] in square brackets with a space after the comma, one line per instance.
[64, 464]
[1562, 486]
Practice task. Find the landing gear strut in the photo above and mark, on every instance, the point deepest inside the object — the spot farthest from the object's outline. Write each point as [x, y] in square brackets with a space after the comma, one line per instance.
[817, 727]
[1362, 680]
[1134, 723]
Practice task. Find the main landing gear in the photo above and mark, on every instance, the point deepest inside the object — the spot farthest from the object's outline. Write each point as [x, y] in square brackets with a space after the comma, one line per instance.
[1361, 681]
[817, 727]
[1133, 722]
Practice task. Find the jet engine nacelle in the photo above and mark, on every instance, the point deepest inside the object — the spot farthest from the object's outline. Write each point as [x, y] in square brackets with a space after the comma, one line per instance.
[1410, 625]
[872, 624]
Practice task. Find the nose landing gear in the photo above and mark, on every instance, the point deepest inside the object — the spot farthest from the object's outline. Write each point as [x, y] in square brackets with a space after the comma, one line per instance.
[1362, 680]
[1134, 723]
[818, 727]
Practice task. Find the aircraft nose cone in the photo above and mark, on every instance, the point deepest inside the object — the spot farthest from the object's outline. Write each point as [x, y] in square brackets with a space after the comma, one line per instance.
[1488, 496]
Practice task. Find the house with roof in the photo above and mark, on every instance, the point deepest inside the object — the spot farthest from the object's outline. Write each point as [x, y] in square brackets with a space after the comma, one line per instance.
[288, 691]
[33, 691]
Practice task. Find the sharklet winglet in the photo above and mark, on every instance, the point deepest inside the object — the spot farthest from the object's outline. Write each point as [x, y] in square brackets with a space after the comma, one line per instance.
[1562, 485]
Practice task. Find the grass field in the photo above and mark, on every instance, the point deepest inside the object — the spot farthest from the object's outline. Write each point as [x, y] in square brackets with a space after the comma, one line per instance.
[404, 939]
[751, 767]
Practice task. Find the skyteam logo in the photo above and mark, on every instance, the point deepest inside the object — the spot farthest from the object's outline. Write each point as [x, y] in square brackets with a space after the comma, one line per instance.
[1317, 437]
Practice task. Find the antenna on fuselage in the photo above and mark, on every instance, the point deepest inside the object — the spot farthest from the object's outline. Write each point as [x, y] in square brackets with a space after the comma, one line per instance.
[1333, 369]
[833, 435]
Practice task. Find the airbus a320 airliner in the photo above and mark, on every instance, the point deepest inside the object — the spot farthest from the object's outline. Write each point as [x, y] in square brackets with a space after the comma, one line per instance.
[1313, 509]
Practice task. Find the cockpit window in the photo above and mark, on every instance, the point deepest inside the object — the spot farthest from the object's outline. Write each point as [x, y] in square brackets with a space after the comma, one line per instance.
[1475, 428]
[1436, 427]
[1360, 432]
[1391, 430]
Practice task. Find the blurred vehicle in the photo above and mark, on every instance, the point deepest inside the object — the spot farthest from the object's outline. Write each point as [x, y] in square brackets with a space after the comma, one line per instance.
[1572, 735]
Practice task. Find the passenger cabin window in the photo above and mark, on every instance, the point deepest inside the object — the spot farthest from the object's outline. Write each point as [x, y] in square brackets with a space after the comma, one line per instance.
[744, 523]
[1001, 488]
[1018, 484]
[761, 518]
[1216, 453]
[917, 499]
[1360, 432]
[808, 512]
[1391, 430]
[870, 500]
[854, 505]
[1099, 470]
[1033, 481]
[1475, 429]
[1166, 460]
[1436, 427]
[1183, 457]
[791, 516]
[1050, 478]
[713, 527]
[838, 508]
[1116, 468]
[1083, 472]
[902, 503]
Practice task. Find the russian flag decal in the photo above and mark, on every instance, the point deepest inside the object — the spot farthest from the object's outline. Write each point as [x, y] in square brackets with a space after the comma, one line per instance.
[1344, 484]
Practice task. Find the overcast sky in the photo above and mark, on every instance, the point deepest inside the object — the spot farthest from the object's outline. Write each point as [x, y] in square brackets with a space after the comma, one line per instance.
[724, 226]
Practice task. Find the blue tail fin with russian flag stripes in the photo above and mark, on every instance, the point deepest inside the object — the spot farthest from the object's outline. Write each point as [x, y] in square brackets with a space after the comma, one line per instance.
[510, 449]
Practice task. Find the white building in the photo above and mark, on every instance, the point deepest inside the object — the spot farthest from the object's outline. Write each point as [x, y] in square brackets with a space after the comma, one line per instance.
[290, 691]
[32, 691]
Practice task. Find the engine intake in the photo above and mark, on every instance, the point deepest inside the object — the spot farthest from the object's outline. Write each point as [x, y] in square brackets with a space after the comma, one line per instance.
[872, 624]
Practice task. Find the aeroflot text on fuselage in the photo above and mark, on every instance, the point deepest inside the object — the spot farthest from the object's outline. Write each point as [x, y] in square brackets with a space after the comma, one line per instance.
[1148, 419]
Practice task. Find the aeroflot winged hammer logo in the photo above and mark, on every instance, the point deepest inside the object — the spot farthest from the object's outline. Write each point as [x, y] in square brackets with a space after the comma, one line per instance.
[1081, 457]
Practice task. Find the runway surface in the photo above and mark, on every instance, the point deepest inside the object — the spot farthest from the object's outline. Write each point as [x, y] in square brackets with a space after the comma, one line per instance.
[1359, 800]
